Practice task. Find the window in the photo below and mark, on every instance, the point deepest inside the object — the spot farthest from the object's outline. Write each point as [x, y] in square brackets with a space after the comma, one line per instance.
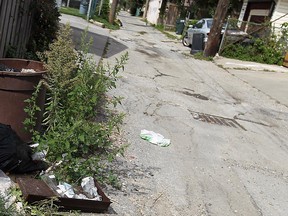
[209, 23]
[199, 24]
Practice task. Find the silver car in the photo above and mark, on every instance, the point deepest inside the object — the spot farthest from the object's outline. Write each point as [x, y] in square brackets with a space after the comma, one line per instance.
[202, 26]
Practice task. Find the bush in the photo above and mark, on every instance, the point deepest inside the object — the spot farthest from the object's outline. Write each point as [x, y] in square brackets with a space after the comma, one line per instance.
[259, 50]
[265, 47]
[44, 28]
[74, 134]
[105, 10]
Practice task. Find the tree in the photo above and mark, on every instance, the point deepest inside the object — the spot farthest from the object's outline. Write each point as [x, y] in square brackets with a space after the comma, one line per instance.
[215, 32]
[206, 8]
[112, 13]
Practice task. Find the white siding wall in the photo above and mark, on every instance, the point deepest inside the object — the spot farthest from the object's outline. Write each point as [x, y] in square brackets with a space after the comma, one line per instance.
[281, 9]
[153, 11]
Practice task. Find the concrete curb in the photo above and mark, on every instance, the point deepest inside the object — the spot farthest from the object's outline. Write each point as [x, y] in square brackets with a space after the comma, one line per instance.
[235, 64]
[97, 23]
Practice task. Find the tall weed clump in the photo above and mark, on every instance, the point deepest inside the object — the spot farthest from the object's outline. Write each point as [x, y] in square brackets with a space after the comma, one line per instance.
[77, 140]
[268, 47]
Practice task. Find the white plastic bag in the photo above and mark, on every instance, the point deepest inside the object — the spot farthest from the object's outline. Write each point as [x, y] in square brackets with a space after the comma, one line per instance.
[154, 138]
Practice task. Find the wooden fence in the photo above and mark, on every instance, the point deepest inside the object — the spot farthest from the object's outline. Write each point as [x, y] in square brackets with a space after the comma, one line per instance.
[15, 26]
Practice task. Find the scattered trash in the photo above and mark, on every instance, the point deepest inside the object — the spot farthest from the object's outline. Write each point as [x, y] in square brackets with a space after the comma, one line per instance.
[5, 183]
[89, 187]
[34, 190]
[50, 180]
[28, 70]
[39, 155]
[5, 68]
[8, 69]
[15, 155]
[65, 189]
[154, 138]
[35, 145]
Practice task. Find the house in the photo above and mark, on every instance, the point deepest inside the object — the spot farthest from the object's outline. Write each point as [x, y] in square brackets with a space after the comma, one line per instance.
[171, 11]
[260, 11]
[154, 11]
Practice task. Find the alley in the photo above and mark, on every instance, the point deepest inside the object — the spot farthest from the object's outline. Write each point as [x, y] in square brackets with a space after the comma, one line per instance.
[228, 153]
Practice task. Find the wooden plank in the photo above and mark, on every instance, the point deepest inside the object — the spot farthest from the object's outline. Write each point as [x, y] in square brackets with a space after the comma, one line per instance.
[15, 25]
[20, 15]
[9, 26]
[29, 26]
[4, 26]
[13, 14]
[24, 36]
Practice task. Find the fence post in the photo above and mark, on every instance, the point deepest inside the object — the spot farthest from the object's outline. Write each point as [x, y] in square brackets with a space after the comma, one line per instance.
[224, 35]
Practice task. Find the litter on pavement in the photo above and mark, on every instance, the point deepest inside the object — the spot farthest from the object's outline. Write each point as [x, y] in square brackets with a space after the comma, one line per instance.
[154, 138]
[90, 189]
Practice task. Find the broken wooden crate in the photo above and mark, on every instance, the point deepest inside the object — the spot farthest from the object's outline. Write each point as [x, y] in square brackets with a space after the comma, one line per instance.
[35, 190]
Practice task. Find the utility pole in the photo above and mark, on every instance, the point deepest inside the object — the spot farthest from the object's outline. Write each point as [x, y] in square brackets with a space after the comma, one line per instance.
[89, 10]
[100, 7]
[113, 11]
[215, 32]
[146, 8]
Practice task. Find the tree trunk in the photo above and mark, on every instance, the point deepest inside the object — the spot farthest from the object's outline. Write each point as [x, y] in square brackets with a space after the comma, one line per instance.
[215, 32]
[113, 11]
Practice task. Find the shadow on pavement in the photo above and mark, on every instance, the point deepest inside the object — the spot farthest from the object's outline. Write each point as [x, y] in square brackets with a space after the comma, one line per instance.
[99, 43]
[114, 48]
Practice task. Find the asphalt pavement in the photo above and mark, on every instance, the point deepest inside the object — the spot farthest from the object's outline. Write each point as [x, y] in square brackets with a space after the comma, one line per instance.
[228, 131]
[227, 121]
[269, 79]
[98, 34]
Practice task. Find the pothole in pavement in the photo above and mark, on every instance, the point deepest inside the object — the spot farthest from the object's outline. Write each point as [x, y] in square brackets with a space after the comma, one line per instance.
[213, 119]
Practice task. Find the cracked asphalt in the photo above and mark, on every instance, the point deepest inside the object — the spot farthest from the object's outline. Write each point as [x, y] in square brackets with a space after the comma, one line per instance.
[209, 168]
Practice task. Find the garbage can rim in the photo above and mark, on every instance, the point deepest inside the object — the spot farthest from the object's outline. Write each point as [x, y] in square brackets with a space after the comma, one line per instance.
[38, 72]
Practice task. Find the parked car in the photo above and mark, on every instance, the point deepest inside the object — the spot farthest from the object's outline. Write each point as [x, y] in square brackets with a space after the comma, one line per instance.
[204, 25]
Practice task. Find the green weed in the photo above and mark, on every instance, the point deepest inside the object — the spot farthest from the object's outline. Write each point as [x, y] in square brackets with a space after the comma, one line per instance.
[78, 119]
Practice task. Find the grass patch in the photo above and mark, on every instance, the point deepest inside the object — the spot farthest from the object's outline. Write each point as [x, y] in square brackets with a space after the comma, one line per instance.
[3, 211]
[72, 11]
[162, 29]
[106, 23]
[200, 56]
[75, 12]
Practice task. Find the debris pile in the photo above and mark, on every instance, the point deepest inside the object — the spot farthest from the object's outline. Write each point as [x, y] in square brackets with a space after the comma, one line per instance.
[17, 157]
[87, 191]
[12, 69]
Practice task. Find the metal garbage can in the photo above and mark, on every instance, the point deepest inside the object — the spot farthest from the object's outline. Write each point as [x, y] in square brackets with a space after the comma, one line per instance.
[15, 88]
[197, 43]
[138, 12]
[83, 7]
[180, 24]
